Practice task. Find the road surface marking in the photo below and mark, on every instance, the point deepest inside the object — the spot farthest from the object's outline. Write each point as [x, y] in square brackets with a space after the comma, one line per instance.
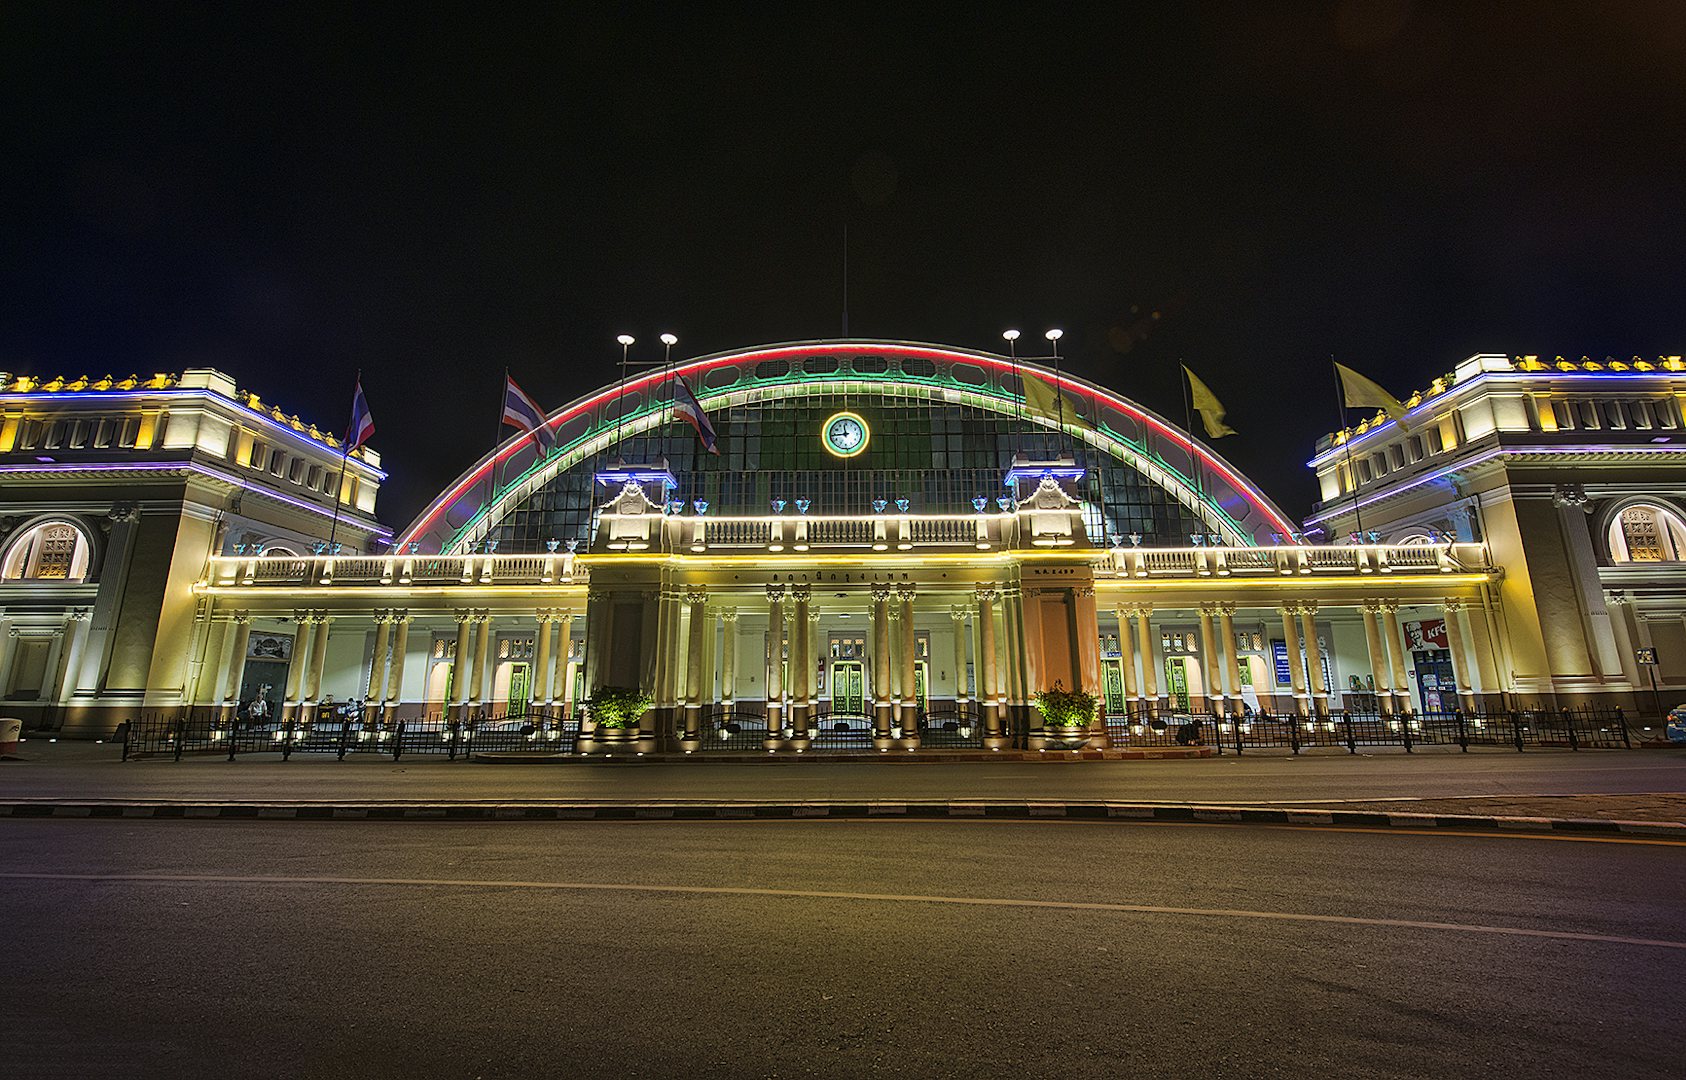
[822, 894]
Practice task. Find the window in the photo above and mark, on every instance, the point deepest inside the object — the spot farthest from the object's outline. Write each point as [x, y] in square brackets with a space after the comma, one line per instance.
[51, 551]
[1647, 533]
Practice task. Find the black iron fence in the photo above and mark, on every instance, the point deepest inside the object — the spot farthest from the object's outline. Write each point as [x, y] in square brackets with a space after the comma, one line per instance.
[951, 726]
[1518, 729]
[731, 728]
[203, 732]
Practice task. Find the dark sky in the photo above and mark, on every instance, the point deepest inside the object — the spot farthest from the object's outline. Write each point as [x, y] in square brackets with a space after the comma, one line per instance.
[290, 192]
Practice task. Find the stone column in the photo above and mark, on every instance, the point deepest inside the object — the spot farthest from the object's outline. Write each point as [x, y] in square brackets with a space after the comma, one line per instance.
[957, 615]
[1086, 617]
[599, 624]
[295, 670]
[816, 651]
[1126, 657]
[1396, 657]
[800, 673]
[883, 698]
[1378, 656]
[1150, 659]
[318, 663]
[236, 664]
[700, 625]
[729, 656]
[541, 659]
[395, 672]
[775, 665]
[1210, 663]
[482, 661]
[909, 654]
[1460, 657]
[1232, 665]
[459, 664]
[566, 665]
[1314, 659]
[987, 694]
[1296, 666]
[377, 665]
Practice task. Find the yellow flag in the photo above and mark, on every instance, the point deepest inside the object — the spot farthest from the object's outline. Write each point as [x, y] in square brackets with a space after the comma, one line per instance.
[1206, 403]
[1043, 399]
[1364, 393]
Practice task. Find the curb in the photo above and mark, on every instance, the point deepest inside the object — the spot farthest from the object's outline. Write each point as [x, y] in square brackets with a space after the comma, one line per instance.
[1206, 814]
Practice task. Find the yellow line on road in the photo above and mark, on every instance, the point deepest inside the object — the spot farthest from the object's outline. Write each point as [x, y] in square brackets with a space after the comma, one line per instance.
[825, 894]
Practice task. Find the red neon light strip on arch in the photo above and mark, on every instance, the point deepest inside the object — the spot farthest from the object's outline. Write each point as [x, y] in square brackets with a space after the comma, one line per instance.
[642, 382]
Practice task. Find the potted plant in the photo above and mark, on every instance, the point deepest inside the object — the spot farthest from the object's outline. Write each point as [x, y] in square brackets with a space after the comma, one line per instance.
[1067, 713]
[616, 710]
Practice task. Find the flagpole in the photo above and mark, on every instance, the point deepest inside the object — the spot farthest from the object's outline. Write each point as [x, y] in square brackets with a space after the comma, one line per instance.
[345, 453]
[1193, 455]
[1351, 470]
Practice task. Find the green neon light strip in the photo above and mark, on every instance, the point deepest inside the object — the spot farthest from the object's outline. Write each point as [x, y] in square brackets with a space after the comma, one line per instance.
[983, 395]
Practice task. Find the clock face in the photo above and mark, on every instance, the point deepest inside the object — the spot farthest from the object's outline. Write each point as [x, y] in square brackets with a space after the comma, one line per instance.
[845, 434]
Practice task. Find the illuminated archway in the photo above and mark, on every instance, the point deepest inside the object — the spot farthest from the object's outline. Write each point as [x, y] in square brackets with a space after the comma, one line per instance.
[1162, 452]
[51, 550]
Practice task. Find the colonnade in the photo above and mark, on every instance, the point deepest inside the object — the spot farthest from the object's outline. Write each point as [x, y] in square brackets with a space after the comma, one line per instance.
[1141, 661]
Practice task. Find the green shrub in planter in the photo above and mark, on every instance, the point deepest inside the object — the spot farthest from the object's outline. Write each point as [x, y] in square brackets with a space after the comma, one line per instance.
[618, 706]
[1065, 708]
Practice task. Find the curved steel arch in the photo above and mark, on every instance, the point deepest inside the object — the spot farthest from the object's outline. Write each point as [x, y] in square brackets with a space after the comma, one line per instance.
[598, 425]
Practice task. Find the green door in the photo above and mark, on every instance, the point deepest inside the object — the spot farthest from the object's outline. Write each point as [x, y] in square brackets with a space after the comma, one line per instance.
[1113, 678]
[847, 694]
[520, 689]
[1176, 682]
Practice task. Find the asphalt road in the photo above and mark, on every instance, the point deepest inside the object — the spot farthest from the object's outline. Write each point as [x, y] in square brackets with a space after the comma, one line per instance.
[85, 771]
[786, 949]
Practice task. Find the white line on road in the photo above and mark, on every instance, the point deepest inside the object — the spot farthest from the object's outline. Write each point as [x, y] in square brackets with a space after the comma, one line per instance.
[817, 894]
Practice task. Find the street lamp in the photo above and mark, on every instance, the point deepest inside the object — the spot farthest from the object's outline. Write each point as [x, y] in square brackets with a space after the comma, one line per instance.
[626, 341]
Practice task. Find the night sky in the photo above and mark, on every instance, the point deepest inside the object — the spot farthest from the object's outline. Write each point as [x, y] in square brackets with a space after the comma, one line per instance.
[290, 192]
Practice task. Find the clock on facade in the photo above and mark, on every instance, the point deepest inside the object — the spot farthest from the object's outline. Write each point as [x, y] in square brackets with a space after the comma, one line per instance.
[845, 434]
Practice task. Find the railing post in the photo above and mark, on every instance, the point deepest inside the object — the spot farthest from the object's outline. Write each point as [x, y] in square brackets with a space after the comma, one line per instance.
[1463, 732]
[1237, 724]
[128, 733]
[1569, 722]
[345, 730]
[1218, 735]
[287, 741]
[1621, 721]
[1405, 726]
[233, 721]
[1516, 728]
[1346, 722]
[181, 737]
[1294, 732]
[398, 741]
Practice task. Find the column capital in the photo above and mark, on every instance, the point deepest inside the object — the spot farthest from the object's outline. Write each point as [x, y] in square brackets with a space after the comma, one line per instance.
[957, 613]
[905, 591]
[1453, 604]
[1084, 590]
[242, 617]
[729, 615]
[801, 593]
[881, 591]
[1390, 606]
[775, 594]
[1209, 611]
[1227, 609]
[598, 594]
[987, 592]
[696, 595]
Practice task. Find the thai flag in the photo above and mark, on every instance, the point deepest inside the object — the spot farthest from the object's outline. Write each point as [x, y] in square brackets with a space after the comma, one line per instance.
[523, 412]
[362, 424]
[686, 404]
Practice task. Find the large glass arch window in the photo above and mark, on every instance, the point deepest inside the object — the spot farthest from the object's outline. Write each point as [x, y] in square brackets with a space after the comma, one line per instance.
[50, 551]
[1645, 532]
